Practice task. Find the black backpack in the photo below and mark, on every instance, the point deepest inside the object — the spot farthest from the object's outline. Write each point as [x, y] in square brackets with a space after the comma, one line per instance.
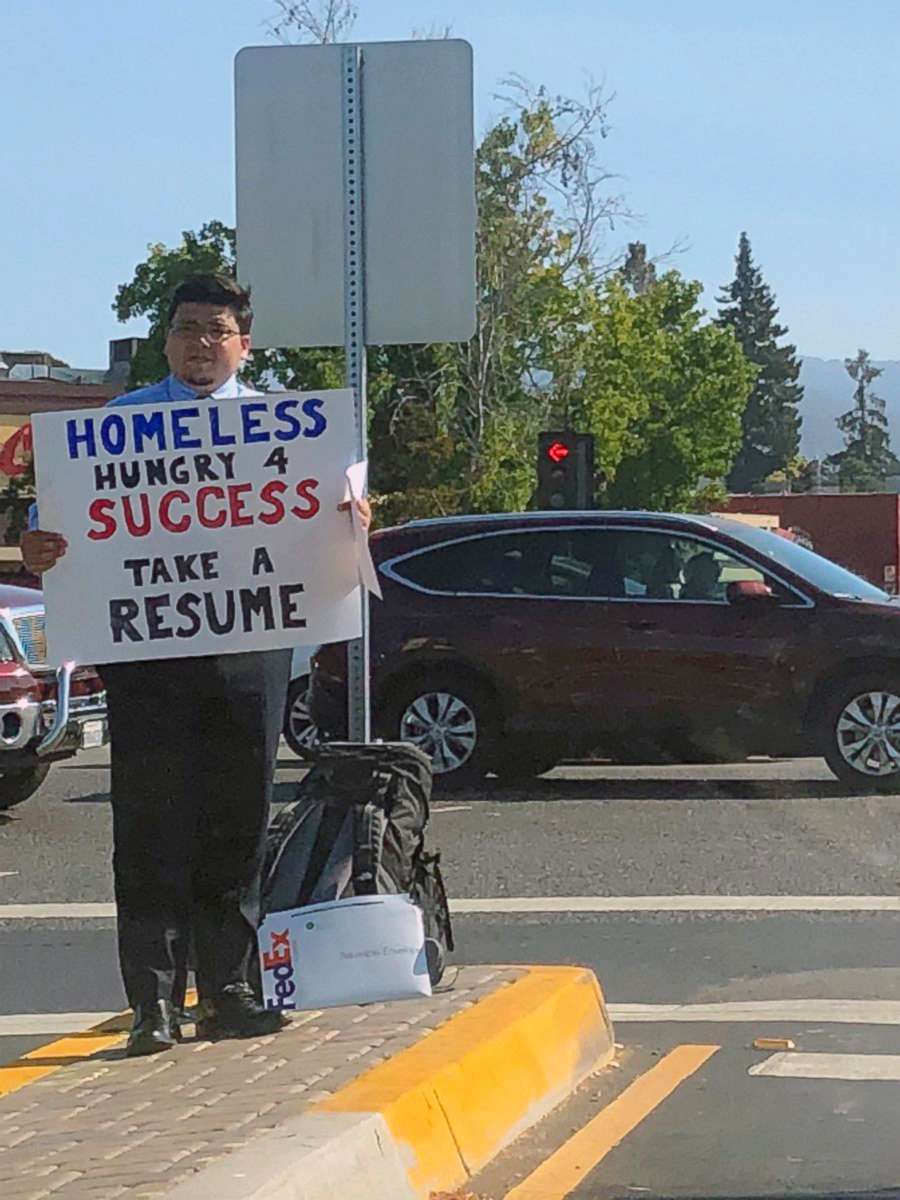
[357, 828]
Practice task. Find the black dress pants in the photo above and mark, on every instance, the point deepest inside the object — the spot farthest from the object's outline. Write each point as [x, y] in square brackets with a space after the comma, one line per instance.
[193, 745]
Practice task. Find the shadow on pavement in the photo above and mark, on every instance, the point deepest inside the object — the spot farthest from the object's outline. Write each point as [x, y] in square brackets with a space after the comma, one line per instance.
[651, 788]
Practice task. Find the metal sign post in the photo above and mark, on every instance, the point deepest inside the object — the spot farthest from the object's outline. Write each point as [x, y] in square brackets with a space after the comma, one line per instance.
[387, 128]
[359, 713]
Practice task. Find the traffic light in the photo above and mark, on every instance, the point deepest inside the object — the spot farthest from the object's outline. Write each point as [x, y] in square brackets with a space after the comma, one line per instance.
[565, 471]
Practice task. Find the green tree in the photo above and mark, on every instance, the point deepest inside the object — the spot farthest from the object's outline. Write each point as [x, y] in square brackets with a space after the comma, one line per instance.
[453, 428]
[638, 272]
[662, 390]
[867, 459]
[771, 422]
[16, 499]
[147, 294]
[473, 411]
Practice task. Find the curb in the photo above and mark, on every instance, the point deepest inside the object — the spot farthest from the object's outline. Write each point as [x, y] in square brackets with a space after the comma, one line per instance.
[432, 1116]
[315, 1157]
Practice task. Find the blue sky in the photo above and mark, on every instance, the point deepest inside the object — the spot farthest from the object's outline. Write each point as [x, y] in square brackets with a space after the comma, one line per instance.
[781, 119]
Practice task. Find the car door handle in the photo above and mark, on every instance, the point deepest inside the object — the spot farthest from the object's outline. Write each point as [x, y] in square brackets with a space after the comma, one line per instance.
[642, 626]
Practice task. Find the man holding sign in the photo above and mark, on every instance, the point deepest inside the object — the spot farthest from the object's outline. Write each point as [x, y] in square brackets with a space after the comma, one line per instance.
[176, 553]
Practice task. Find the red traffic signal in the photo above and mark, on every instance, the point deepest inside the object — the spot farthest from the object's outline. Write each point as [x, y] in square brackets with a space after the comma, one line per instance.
[557, 451]
[565, 471]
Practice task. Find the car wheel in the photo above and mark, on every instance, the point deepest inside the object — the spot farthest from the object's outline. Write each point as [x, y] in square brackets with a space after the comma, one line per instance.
[300, 731]
[860, 733]
[16, 786]
[452, 719]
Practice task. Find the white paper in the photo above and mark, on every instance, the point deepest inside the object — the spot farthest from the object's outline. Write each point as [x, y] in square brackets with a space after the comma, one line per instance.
[357, 477]
[363, 950]
[195, 487]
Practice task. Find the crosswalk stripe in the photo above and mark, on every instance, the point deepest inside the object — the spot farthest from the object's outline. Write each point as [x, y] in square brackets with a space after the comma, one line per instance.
[866, 1068]
[39, 1024]
[651, 904]
[843, 1012]
[549, 904]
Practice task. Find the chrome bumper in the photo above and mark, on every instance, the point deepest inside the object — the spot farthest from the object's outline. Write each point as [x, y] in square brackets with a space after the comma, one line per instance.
[67, 713]
[20, 724]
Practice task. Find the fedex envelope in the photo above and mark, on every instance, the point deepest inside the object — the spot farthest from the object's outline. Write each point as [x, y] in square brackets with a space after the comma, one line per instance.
[360, 950]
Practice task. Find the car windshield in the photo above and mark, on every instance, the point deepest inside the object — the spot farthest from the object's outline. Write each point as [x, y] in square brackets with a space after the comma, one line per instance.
[821, 572]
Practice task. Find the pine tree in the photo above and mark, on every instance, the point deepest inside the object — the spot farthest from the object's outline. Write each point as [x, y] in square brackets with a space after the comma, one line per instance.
[867, 459]
[771, 422]
[638, 273]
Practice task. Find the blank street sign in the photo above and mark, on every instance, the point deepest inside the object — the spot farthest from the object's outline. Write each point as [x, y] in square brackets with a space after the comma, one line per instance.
[419, 191]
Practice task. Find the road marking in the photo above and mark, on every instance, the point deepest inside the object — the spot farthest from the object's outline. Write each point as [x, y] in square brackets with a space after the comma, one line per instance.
[55, 912]
[569, 1166]
[439, 808]
[843, 1012]
[3, 874]
[863, 1067]
[638, 904]
[36, 1064]
[38, 1024]
[548, 904]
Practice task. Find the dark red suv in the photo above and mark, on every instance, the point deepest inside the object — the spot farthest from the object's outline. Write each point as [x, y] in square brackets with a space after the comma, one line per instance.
[506, 643]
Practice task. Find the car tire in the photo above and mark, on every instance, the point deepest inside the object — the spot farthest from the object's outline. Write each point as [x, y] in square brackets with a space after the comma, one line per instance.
[16, 786]
[866, 762]
[300, 731]
[451, 717]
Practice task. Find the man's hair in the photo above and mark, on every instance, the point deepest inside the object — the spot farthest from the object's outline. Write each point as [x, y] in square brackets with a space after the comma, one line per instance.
[214, 289]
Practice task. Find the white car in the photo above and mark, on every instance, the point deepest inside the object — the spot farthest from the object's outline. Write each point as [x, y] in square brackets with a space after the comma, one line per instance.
[300, 732]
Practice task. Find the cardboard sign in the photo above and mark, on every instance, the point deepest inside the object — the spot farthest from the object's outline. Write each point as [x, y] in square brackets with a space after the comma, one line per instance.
[363, 950]
[202, 527]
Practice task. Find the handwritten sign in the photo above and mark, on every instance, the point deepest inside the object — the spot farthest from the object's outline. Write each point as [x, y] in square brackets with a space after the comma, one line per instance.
[204, 527]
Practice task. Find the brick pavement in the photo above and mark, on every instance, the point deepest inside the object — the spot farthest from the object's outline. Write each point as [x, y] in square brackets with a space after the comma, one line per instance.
[110, 1127]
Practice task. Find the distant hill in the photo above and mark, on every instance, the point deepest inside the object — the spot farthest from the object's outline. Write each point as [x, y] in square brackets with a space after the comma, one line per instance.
[829, 392]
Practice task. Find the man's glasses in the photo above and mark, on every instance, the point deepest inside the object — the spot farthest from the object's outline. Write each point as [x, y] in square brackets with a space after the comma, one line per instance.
[191, 331]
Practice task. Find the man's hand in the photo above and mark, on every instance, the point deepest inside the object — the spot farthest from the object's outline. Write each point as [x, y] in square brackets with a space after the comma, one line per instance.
[364, 508]
[42, 550]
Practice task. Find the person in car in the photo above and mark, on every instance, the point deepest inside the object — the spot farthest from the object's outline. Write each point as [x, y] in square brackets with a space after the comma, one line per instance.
[701, 578]
[665, 575]
[193, 755]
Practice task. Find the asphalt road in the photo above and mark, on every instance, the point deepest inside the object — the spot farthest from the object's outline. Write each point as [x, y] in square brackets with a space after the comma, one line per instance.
[769, 831]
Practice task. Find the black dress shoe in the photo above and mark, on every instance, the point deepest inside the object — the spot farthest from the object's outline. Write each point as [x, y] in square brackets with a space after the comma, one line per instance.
[155, 1028]
[236, 1013]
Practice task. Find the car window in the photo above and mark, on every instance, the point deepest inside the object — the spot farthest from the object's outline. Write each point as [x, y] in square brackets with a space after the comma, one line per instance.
[506, 564]
[663, 566]
[582, 564]
[539, 563]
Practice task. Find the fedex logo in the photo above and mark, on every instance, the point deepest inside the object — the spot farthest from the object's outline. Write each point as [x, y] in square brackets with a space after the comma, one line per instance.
[280, 961]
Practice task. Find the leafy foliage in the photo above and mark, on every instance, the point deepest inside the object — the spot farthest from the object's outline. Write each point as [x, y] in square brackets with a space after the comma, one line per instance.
[561, 336]
[662, 390]
[15, 500]
[212, 249]
[867, 459]
[771, 422]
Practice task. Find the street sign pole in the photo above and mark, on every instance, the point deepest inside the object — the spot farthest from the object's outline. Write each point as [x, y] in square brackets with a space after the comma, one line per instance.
[359, 714]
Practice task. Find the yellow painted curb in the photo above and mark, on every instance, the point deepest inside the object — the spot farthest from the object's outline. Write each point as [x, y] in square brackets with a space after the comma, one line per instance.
[475, 1084]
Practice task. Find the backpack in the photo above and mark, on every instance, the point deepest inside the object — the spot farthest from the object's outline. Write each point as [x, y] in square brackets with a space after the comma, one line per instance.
[357, 828]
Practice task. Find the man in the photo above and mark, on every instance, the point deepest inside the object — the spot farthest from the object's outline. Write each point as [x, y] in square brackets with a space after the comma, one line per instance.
[193, 756]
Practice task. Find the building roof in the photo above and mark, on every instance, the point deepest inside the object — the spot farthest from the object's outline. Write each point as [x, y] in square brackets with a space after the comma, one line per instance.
[24, 397]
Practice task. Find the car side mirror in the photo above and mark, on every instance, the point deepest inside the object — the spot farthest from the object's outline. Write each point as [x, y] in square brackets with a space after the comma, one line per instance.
[750, 592]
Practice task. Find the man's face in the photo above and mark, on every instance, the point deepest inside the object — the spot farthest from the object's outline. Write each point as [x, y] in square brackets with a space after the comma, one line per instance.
[204, 346]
